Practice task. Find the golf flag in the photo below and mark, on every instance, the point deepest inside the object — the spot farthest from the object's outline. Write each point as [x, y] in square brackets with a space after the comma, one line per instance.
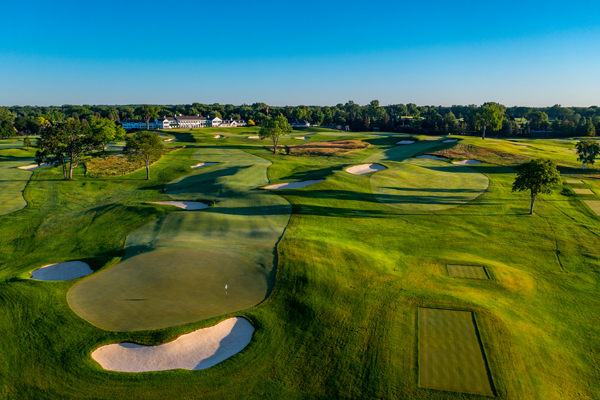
[267, 111]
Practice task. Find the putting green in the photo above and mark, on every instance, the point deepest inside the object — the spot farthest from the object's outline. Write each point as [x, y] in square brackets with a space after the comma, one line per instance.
[176, 268]
[13, 181]
[450, 354]
[422, 185]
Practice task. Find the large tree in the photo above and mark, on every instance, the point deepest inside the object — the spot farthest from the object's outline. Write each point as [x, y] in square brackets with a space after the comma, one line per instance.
[145, 146]
[274, 128]
[147, 111]
[105, 131]
[63, 143]
[537, 176]
[587, 151]
[489, 115]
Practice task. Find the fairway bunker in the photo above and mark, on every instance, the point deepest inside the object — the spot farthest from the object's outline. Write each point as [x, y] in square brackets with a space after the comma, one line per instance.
[218, 136]
[575, 181]
[302, 138]
[467, 271]
[406, 142]
[466, 162]
[431, 157]
[186, 205]
[449, 140]
[583, 191]
[253, 137]
[197, 350]
[293, 185]
[64, 271]
[34, 166]
[364, 169]
[203, 164]
[451, 355]
[172, 140]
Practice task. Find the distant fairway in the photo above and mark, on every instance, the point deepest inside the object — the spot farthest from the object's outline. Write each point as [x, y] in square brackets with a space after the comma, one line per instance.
[450, 355]
[176, 268]
[423, 185]
[13, 180]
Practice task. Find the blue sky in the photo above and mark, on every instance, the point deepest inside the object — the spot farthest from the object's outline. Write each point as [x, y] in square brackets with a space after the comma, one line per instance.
[312, 52]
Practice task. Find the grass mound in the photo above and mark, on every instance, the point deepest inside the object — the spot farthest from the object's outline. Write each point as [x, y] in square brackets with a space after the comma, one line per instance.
[333, 148]
[103, 167]
[483, 154]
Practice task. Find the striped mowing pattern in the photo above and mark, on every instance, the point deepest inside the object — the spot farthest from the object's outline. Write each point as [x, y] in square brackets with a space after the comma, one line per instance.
[450, 353]
[467, 271]
[583, 191]
[594, 205]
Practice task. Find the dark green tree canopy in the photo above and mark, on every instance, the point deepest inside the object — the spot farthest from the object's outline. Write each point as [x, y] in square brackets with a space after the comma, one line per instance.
[144, 145]
[587, 151]
[537, 176]
[274, 128]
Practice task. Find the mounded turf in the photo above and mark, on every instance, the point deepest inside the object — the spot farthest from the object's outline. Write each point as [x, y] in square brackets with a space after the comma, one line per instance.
[176, 268]
[423, 185]
[450, 353]
[467, 271]
[13, 180]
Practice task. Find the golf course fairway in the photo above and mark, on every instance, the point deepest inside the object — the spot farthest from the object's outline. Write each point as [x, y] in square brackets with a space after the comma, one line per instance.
[176, 268]
[13, 180]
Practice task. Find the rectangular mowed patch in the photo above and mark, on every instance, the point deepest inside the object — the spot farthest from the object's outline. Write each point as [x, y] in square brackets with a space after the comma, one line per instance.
[594, 205]
[450, 353]
[575, 181]
[467, 271]
[583, 191]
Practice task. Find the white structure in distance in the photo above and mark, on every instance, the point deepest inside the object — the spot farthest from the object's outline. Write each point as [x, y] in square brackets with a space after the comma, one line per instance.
[182, 121]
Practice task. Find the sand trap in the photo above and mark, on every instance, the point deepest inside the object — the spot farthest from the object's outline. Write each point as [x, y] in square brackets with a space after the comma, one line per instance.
[200, 349]
[253, 137]
[583, 191]
[293, 185]
[449, 140]
[302, 138]
[406, 142]
[62, 271]
[186, 205]
[575, 181]
[172, 140]
[218, 136]
[430, 157]
[467, 162]
[203, 164]
[520, 145]
[364, 169]
[34, 166]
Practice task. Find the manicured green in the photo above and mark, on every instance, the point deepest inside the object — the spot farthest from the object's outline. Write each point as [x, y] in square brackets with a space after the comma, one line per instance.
[467, 271]
[450, 356]
[352, 272]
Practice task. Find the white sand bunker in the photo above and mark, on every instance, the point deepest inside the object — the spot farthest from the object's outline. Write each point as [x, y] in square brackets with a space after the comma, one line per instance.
[430, 157]
[186, 205]
[301, 138]
[218, 136]
[172, 140]
[406, 142]
[200, 349]
[294, 185]
[64, 271]
[34, 166]
[253, 137]
[449, 140]
[467, 162]
[364, 169]
[203, 164]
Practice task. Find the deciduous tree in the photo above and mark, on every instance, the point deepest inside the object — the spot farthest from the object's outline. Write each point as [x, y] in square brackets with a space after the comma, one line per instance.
[587, 151]
[274, 128]
[147, 111]
[144, 145]
[489, 115]
[537, 176]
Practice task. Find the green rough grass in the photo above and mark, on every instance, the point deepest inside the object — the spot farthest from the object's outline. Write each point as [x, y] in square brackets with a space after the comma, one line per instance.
[342, 319]
[176, 268]
[450, 353]
[13, 180]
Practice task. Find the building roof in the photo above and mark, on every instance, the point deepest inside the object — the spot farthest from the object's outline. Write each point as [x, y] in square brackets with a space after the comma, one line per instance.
[189, 118]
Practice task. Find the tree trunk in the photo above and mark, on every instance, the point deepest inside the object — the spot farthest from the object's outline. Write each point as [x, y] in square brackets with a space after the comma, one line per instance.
[148, 168]
[64, 166]
[71, 169]
[483, 133]
[583, 165]
[148, 124]
[532, 202]
[275, 145]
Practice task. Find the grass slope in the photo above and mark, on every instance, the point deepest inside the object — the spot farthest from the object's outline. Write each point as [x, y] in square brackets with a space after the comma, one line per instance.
[13, 180]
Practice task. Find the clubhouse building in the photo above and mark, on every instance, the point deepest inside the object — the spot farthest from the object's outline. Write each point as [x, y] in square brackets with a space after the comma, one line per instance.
[182, 121]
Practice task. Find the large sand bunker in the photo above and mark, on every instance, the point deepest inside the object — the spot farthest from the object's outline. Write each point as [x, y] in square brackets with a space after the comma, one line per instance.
[200, 349]
[253, 137]
[364, 169]
[172, 140]
[302, 138]
[62, 271]
[186, 205]
[203, 164]
[34, 166]
[218, 136]
[294, 185]
[467, 162]
[406, 142]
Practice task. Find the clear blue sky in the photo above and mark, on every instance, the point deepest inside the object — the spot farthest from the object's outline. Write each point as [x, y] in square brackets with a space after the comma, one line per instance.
[288, 53]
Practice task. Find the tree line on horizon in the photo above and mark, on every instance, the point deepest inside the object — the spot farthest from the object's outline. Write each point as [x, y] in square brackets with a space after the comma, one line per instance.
[407, 118]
